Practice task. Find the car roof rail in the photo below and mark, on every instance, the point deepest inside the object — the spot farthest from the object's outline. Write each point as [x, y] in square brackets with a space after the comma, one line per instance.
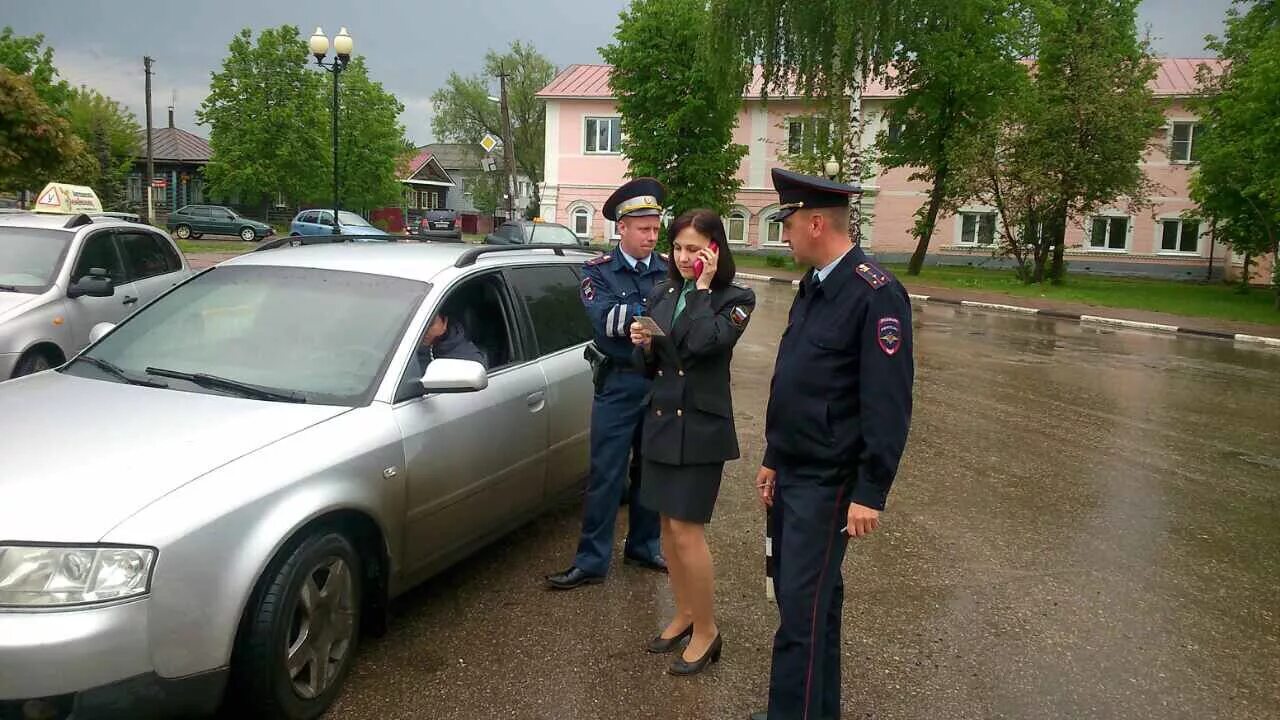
[297, 240]
[468, 258]
[78, 220]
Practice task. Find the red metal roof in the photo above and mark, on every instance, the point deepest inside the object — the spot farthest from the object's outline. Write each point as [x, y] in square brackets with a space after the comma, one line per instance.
[1176, 76]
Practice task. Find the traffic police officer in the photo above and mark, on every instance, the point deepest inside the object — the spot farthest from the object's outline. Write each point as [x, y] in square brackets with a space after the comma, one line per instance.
[836, 426]
[615, 288]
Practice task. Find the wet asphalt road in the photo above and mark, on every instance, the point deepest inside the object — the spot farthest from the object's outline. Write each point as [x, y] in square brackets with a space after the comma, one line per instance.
[1086, 525]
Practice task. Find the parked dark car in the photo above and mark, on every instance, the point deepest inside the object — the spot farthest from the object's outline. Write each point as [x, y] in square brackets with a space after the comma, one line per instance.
[527, 232]
[193, 221]
[439, 225]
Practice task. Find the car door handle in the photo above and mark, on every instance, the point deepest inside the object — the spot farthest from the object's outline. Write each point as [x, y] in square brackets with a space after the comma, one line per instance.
[535, 399]
[129, 300]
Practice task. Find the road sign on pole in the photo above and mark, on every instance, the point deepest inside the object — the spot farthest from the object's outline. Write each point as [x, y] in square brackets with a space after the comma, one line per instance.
[489, 142]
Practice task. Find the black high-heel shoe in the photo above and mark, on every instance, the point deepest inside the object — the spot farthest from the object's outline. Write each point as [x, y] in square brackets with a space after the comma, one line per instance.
[660, 645]
[680, 666]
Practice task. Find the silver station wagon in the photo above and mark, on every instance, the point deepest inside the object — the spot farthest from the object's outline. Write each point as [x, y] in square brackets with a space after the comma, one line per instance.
[213, 499]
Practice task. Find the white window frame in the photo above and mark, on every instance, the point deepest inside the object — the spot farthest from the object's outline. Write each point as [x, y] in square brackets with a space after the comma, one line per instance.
[764, 224]
[1191, 141]
[576, 208]
[1202, 236]
[597, 119]
[611, 230]
[1128, 233]
[738, 213]
[995, 227]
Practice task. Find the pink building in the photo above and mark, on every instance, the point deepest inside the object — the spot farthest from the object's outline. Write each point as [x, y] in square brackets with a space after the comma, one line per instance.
[584, 164]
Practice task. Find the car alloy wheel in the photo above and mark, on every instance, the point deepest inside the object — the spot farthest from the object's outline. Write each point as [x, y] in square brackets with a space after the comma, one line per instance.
[183, 232]
[322, 628]
[246, 234]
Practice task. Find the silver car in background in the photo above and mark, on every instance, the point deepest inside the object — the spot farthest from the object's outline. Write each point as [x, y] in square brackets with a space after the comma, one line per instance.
[210, 501]
[62, 274]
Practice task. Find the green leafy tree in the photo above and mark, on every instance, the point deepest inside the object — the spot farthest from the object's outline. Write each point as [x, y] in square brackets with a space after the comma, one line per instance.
[823, 49]
[1070, 142]
[464, 112]
[110, 134]
[268, 121]
[36, 143]
[1237, 185]
[956, 67]
[678, 104]
[28, 56]
[371, 140]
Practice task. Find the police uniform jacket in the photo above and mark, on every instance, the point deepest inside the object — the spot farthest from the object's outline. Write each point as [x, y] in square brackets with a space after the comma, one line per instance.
[689, 409]
[841, 391]
[614, 293]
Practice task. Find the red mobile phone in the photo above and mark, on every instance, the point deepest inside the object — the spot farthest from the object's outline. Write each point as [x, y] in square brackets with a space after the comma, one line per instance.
[698, 265]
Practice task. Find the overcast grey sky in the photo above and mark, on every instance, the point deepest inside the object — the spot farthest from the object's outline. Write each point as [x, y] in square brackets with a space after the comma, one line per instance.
[410, 45]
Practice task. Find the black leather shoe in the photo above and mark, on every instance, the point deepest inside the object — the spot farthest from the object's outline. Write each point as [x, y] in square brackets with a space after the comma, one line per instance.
[680, 666]
[661, 645]
[657, 564]
[572, 578]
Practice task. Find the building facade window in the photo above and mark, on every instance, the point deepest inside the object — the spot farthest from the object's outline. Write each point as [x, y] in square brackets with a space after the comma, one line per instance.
[1178, 235]
[807, 134]
[1186, 142]
[735, 227]
[1109, 233]
[581, 218]
[977, 228]
[603, 135]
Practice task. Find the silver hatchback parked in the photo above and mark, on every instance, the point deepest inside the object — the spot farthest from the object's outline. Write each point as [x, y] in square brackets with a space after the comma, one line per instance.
[213, 499]
[62, 274]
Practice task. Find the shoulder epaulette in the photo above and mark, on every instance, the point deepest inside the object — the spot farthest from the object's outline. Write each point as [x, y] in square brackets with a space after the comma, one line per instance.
[599, 260]
[740, 285]
[872, 273]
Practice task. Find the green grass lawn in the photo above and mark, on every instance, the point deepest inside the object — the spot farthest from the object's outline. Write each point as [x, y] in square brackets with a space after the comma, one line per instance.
[1214, 300]
[215, 246]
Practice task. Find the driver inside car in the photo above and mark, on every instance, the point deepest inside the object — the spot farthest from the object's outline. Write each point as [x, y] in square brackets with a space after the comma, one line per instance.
[445, 339]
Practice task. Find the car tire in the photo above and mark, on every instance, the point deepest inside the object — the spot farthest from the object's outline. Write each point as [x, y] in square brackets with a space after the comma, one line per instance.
[183, 232]
[247, 234]
[33, 362]
[306, 603]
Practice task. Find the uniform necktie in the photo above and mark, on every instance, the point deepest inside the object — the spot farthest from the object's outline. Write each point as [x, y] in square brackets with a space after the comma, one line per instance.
[684, 295]
[641, 267]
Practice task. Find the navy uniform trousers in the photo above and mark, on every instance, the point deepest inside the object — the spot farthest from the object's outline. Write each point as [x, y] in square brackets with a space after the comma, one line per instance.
[616, 414]
[810, 506]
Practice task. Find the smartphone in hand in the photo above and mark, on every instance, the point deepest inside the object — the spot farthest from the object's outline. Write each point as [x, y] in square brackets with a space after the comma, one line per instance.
[699, 266]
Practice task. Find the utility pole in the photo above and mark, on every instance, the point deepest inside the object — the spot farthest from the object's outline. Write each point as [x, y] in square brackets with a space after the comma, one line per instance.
[146, 64]
[508, 149]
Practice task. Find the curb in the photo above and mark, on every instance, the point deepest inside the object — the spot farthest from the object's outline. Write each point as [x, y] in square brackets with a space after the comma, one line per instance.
[1060, 315]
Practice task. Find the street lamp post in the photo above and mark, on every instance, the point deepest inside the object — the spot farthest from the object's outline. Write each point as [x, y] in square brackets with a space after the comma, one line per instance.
[342, 55]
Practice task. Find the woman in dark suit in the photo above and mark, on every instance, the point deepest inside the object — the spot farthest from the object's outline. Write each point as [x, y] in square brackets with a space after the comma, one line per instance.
[688, 426]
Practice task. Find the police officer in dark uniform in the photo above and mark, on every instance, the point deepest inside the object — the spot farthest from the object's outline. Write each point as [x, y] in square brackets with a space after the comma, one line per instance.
[615, 288]
[839, 412]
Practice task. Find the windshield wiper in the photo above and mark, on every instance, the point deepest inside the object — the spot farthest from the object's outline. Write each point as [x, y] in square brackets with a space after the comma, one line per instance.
[214, 382]
[9, 288]
[112, 369]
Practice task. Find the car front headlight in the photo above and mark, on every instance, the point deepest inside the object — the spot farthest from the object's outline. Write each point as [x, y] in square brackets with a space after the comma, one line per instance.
[33, 576]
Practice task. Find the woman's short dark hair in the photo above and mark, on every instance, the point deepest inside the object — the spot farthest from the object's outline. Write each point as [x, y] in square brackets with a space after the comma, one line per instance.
[708, 224]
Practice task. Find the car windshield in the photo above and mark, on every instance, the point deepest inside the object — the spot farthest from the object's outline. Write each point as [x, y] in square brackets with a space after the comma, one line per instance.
[320, 336]
[350, 218]
[540, 234]
[29, 259]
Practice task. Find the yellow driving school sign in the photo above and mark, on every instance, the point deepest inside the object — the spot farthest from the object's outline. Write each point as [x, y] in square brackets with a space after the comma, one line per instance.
[64, 199]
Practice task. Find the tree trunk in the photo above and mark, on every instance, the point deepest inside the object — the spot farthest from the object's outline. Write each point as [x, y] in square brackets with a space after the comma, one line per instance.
[853, 160]
[924, 231]
[1059, 227]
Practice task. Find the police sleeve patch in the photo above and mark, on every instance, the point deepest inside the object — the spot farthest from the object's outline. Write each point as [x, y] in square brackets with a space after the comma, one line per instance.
[874, 276]
[739, 316]
[588, 290]
[889, 335]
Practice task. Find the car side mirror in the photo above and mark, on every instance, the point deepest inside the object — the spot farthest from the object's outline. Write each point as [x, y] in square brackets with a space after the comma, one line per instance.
[447, 375]
[92, 286]
[99, 331]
